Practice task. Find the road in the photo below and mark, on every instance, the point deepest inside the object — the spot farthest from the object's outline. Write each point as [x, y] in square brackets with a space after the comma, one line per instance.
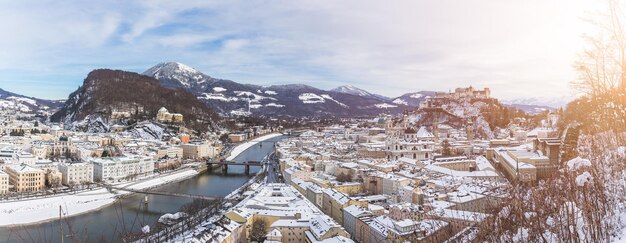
[273, 170]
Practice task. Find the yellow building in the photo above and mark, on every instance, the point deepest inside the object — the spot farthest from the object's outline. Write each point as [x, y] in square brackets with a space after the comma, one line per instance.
[25, 178]
[333, 203]
[349, 188]
[4, 182]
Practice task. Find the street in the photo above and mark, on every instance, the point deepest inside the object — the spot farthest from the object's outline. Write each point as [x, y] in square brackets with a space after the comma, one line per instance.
[273, 173]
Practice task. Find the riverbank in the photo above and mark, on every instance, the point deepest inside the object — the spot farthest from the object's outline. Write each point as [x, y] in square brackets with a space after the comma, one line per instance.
[230, 201]
[242, 147]
[39, 210]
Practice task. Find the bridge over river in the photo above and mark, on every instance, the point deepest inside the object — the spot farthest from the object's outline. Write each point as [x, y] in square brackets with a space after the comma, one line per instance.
[162, 193]
[224, 164]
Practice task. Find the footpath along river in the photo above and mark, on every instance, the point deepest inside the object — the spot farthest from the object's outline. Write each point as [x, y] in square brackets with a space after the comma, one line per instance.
[131, 213]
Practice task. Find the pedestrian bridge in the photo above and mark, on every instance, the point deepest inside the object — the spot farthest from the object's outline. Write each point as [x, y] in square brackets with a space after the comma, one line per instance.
[171, 194]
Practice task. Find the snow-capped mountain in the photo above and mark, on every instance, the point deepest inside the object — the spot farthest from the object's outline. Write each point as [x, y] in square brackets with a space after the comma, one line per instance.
[25, 104]
[178, 75]
[413, 99]
[105, 92]
[532, 109]
[552, 102]
[353, 90]
[233, 99]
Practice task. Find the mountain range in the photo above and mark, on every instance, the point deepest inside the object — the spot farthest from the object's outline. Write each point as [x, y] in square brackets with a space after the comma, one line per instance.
[224, 97]
[26, 104]
[230, 98]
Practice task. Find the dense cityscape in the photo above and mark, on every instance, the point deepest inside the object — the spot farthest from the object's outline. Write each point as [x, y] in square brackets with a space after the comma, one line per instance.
[318, 122]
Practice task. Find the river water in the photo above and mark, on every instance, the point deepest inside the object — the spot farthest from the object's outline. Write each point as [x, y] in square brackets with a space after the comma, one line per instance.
[131, 213]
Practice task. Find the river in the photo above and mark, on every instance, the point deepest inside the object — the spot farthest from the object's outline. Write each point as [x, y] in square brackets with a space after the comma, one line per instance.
[129, 214]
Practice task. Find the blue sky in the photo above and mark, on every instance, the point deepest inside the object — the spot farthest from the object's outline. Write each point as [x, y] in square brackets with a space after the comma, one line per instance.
[517, 48]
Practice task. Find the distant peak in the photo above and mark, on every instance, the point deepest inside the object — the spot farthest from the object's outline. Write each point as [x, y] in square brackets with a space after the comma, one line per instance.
[171, 67]
[351, 89]
[168, 68]
[347, 87]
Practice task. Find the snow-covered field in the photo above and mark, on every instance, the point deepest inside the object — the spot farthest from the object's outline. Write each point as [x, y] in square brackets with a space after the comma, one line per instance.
[385, 105]
[44, 209]
[400, 102]
[310, 98]
[242, 147]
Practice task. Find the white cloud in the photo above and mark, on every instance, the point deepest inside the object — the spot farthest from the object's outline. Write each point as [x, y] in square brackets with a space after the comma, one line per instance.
[517, 48]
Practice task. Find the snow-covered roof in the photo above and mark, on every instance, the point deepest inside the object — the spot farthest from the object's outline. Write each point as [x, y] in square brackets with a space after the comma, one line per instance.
[423, 133]
[21, 168]
[457, 173]
[460, 215]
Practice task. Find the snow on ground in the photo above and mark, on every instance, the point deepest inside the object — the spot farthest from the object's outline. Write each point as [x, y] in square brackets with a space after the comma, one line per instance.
[36, 210]
[384, 105]
[270, 92]
[274, 105]
[240, 112]
[583, 178]
[146, 229]
[44, 209]
[158, 180]
[255, 106]
[23, 100]
[222, 97]
[12, 105]
[169, 218]
[325, 96]
[252, 96]
[242, 147]
[219, 89]
[310, 98]
[416, 96]
[147, 131]
[578, 162]
[400, 102]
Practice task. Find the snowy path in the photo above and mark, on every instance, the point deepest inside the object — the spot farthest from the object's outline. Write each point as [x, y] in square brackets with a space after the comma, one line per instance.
[242, 147]
[44, 209]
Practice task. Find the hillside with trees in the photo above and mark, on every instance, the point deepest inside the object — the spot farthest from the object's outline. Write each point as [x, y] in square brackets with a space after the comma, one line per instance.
[106, 91]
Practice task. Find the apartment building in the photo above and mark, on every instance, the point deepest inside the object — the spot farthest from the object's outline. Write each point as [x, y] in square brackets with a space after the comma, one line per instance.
[76, 173]
[198, 150]
[26, 178]
[119, 168]
[4, 182]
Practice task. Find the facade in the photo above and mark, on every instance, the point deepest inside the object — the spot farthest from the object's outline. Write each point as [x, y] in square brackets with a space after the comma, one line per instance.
[165, 116]
[76, 173]
[420, 150]
[198, 150]
[25, 178]
[237, 138]
[334, 201]
[528, 166]
[119, 168]
[351, 217]
[392, 184]
[169, 152]
[315, 194]
[4, 183]
[26, 158]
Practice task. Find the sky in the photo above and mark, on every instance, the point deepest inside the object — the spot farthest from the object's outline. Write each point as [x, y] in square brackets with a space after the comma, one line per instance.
[518, 49]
